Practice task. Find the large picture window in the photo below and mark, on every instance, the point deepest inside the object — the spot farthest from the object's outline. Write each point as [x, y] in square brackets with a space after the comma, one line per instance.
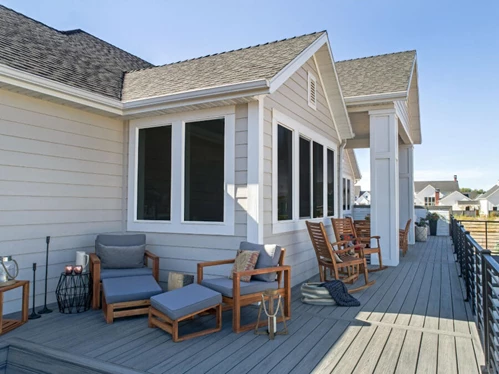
[318, 181]
[347, 194]
[204, 171]
[154, 167]
[284, 174]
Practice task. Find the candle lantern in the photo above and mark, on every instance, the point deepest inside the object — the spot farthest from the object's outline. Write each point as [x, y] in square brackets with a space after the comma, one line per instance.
[271, 295]
[78, 269]
[68, 269]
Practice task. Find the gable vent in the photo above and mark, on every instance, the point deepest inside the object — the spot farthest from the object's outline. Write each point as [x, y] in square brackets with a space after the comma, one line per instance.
[312, 91]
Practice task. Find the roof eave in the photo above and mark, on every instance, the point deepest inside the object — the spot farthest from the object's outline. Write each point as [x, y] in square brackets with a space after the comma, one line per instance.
[376, 98]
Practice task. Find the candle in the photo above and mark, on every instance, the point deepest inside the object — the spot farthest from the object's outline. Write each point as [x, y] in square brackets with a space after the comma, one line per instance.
[68, 269]
[78, 269]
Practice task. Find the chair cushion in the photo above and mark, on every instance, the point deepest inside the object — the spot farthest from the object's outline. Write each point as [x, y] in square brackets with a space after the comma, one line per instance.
[224, 286]
[119, 290]
[269, 257]
[186, 300]
[120, 257]
[245, 260]
[121, 240]
[118, 273]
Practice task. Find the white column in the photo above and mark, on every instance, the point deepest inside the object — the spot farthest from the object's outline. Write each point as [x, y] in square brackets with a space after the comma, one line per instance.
[254, 223]
[385, 183]
[406, 188]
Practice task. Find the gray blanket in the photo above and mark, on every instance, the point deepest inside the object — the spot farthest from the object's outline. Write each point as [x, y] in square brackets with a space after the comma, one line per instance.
[339, 293]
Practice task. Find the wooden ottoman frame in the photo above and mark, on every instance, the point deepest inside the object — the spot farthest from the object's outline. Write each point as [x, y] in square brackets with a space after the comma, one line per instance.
[124, 309]
[161, 320]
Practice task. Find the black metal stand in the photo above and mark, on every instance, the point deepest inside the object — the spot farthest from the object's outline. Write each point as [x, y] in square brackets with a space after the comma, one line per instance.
[46, 310]
[33, 314]
[74, 293]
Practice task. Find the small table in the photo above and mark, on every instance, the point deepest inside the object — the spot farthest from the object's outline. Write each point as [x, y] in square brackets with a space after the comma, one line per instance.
[74, 293]
[7, 325]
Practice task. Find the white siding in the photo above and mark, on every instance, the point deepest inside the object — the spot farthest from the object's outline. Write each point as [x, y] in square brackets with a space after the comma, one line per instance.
[60, 176]
[182, 252]
[291, 100]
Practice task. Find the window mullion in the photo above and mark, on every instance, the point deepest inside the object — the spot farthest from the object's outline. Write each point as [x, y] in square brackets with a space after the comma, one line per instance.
[178, 146]
[324, 180]
[296, 175]
[311, 149]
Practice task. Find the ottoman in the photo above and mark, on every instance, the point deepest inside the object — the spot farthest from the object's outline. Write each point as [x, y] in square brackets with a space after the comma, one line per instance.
[170, 308]
[128, 296]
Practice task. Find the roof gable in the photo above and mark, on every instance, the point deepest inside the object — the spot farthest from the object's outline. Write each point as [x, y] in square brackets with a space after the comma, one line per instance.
[446, 187]
[489, 192]
[376, 74]
[455, 194]
[243, 65]
[75, 58]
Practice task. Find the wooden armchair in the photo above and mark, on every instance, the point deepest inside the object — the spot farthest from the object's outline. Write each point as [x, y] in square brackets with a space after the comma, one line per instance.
[344, 227]
[403, 238]
[240, 299]
[327, 258]
[119, 240]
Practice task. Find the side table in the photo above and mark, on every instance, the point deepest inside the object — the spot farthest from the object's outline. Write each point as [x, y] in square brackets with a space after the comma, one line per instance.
[7, 325]
[73, 293]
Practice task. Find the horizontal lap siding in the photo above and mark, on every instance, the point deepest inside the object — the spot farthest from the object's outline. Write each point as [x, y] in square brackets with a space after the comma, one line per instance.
[291, 100]
[60, 176]
[182, 252]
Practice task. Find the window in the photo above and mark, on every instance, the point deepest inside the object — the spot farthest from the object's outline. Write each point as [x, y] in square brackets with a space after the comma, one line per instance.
[429, 200]
[494, 209]
[284, 173]
[305, 174]
[312, 91]
[181, 173]
[318, 181]
[347, 193]
[304, 171]
[330, 183]
[154, 173]
[204, 171]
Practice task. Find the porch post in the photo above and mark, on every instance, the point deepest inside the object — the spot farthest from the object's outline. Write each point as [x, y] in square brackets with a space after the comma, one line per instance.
[406, 188]
[385, 183]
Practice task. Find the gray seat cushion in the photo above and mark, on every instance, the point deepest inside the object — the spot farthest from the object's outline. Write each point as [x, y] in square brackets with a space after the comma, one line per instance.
[186, 300]
[224, 286]
[118, 273]
[119, 290]
[268, 258]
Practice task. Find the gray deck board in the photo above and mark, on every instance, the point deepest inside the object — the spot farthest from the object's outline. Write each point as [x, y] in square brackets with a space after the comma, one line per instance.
[414, 319]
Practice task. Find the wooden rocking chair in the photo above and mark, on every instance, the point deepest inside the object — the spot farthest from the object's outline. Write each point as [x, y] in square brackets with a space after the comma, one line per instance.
[403, 240]
[327, 258]
[345, 228]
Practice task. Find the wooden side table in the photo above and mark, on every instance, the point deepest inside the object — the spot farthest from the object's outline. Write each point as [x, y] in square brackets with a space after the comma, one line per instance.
[7, 325]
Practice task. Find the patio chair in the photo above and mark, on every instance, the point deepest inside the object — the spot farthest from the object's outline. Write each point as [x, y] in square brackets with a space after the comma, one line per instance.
[237, 294]
[121, 241]
[403, 238]
[336, 259]
[344, 230]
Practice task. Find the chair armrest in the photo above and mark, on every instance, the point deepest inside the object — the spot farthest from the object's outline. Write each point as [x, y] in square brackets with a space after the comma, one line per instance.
[94, 266]
[239, 274]
[374, 237]
[94, 259]
[155, 263]
[202, 265]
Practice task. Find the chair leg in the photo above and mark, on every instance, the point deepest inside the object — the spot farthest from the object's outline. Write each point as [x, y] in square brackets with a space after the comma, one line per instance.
[236, 316]
[96, 295]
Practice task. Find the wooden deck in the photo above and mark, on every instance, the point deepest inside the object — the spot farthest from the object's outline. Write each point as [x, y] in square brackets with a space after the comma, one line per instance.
[412, 320]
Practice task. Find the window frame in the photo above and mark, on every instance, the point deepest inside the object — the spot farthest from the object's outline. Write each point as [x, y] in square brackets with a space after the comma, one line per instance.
[432, 202]
[300, 131]
[176, 224]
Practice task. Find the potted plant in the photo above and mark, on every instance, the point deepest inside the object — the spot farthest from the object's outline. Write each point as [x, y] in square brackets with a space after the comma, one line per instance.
[421, 231]
[433, 220]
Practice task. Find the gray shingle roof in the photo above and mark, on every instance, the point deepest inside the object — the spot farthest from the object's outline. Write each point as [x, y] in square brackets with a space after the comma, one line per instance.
[489, 192]
[242, 65]
[376, 74]
[72, 57]
[446, 187]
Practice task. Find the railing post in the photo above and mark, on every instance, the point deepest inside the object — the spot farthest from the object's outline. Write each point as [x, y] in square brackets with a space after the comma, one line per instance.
[467, 246]
[486, 235]
[485, 308]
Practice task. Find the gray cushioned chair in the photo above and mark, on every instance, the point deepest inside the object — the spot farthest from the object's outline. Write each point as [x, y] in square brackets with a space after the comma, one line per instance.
[98, 273]
[236, 294]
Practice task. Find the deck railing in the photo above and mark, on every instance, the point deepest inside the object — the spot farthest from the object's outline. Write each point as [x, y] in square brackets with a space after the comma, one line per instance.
[480, 272]
[485, 232]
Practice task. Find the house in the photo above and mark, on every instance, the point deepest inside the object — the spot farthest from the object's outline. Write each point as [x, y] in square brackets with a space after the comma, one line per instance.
[364, 198]
[199, 154]
[429, 193]
[489, 200]
[453, 199]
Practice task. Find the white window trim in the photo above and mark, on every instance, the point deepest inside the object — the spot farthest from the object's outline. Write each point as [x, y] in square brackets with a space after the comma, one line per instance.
[348, 202]
[311, 78]
[298, 130]
[177, 224]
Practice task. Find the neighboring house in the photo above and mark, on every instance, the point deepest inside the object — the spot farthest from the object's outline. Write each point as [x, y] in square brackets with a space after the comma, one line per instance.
[429, 193]
[489, 200]
[200, 154]
[364, 198]
[454, 200]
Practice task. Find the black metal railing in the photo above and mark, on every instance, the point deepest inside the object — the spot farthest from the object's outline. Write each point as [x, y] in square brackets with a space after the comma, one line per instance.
[480, 273]
[485, 232]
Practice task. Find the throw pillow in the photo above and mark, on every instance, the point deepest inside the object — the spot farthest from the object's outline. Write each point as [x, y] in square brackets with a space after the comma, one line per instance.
[352, 242]
[245, 260]
[120, 257]
[269, 257]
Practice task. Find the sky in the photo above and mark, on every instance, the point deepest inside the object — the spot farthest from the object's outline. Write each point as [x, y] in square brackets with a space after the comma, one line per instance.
[457, 45]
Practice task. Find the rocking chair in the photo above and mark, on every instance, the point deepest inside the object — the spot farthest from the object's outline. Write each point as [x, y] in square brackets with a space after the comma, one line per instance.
[344, 230]
[403, 240]
[336, 260]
